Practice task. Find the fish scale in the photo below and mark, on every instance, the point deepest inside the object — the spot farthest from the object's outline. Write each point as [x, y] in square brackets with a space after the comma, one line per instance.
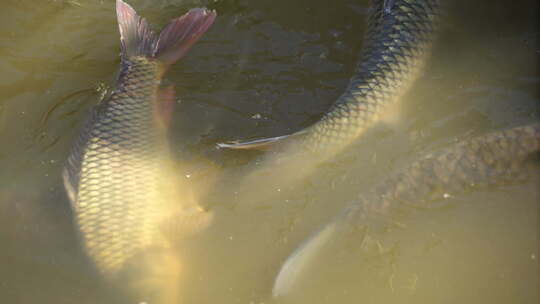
[496, 158]
[397, 42]
[116, 172]
[396, 46]
[124, 159]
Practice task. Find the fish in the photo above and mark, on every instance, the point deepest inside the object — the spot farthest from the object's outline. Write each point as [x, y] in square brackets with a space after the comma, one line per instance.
[495, 158]
[115, 176]
[396, 45]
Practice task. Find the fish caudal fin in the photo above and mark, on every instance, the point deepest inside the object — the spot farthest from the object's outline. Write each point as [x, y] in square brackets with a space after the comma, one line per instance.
[171, 44]
[181, 33]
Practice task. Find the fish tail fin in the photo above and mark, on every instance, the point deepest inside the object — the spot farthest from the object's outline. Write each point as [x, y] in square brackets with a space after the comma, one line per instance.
[181, 33]
[257, 144]
[173, 41]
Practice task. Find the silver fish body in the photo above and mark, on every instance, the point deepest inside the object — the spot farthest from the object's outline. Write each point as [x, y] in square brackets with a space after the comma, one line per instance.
[115, 169]
[116, 174]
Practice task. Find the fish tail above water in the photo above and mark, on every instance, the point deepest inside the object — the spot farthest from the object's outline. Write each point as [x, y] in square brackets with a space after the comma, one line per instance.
[495, 158]
[173, 41]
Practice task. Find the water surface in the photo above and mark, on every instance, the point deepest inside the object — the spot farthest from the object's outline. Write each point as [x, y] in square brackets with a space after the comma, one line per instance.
[267, 68]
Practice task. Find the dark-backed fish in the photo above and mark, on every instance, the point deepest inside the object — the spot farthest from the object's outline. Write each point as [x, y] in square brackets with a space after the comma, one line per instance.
[495, 158]
[397, 42]
[115, 174]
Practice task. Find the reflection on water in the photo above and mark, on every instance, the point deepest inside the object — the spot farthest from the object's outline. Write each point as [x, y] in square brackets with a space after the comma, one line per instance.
[266, 69]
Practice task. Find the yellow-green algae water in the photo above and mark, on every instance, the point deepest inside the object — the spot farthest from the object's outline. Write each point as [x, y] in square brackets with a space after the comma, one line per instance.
[267, 68]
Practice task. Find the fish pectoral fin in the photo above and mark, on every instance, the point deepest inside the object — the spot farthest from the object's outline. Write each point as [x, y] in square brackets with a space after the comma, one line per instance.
[302, 258]
[257, 144]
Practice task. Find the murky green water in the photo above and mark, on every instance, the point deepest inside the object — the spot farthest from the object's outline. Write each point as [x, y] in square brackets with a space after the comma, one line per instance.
[267, 68]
